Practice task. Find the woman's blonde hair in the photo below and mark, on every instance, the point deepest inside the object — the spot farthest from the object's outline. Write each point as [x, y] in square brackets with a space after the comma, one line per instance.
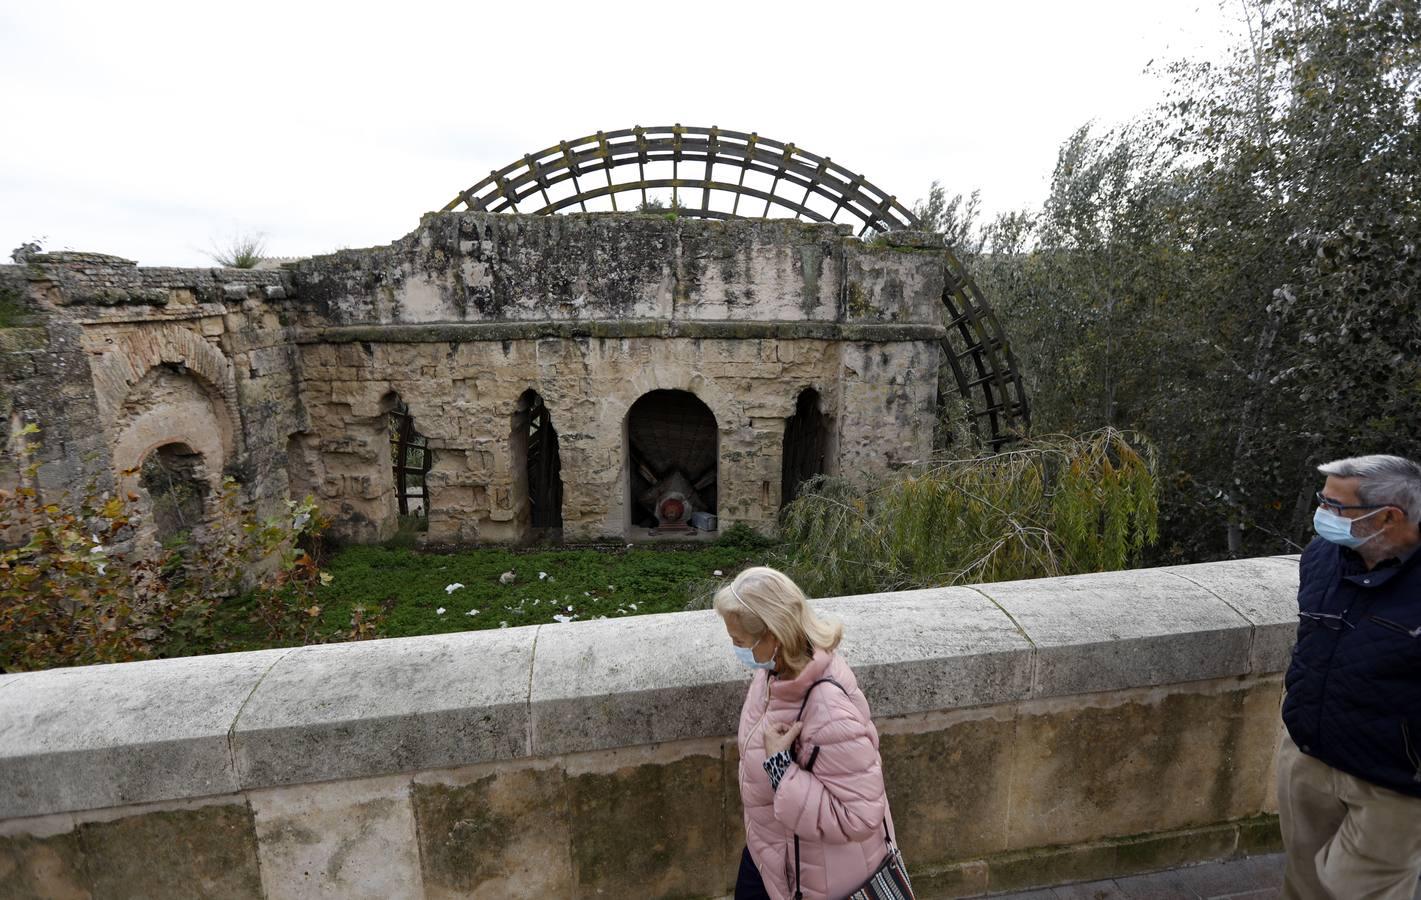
[763, 599]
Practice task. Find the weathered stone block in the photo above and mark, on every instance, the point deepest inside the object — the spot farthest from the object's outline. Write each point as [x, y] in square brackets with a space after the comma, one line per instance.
[343, 839]
[377, 707]
[650, 830]
[43, 868]
[944, 648]
[967, 879]
[1173, 634]
[619, 682]
[486, 834]
[949, 786]
[179, 854]
[1259, 835]
[1253, 588]
[110, 735]
[1166, 745]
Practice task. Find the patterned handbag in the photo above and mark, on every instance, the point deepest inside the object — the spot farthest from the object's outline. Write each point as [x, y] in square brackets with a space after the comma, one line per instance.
[890, 880]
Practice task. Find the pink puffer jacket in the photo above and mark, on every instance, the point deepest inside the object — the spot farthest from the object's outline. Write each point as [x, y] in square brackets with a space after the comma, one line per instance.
[838, 808]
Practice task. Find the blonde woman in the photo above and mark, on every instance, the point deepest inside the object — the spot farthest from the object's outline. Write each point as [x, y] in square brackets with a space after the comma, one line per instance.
[811, 782]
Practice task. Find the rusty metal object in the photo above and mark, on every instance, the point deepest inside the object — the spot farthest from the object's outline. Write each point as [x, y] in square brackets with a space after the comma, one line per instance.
[803, 185]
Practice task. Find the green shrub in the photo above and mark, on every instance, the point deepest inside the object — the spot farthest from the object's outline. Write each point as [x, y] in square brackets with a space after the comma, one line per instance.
[1057, 506]
[74, 590]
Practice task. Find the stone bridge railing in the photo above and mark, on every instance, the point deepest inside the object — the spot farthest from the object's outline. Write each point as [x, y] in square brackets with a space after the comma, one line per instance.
[1033, 732]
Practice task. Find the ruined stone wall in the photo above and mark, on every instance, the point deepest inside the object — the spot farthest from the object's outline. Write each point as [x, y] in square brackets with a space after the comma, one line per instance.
[112, 361]
[592, 312]
[284, 379]
[1032, 733]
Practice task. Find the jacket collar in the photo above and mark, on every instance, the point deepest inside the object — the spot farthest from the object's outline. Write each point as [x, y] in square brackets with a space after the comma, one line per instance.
[1386, 570]
[793, 690]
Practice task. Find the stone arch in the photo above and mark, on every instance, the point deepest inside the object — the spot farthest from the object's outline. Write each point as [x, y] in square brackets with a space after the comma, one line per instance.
[807, 449]
[729, 411]
[672, 441]
[536, 467]
[169, 405]
[177, 490]
[411, 459]
[134, 355]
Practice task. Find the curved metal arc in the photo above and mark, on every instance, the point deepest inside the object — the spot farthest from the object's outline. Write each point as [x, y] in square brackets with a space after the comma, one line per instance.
[696, 211]
[518, 191]
[607, 150]
[852, 205]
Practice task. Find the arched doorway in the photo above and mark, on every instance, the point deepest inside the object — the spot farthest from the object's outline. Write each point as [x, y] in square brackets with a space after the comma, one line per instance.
[673, 453]
[537, 464]
[805, 447]
[411, 459]
[178, 486]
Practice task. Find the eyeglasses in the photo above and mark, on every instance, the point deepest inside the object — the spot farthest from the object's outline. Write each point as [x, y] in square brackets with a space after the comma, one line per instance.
[1329, 503]
[1334, 621]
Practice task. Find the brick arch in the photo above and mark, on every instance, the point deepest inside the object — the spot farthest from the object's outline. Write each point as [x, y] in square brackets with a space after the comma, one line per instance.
[135, 354]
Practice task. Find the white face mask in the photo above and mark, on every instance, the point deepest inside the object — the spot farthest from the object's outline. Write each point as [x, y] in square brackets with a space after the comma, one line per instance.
[747, 656]
[1338, 529]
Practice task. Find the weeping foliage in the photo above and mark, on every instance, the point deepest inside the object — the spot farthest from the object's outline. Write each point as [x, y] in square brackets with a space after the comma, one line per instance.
[1058, 506]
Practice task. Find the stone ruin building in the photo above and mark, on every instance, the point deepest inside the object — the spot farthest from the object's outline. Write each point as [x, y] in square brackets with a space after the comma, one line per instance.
[503, 373]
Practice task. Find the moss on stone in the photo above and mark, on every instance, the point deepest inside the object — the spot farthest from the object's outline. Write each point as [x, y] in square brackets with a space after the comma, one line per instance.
[179, 854]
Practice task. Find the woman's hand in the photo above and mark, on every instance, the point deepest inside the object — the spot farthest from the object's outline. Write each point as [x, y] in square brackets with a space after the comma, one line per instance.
[779, 737]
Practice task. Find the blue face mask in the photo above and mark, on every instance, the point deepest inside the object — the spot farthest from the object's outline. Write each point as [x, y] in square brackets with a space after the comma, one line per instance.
[747, 656]
[1338, 529]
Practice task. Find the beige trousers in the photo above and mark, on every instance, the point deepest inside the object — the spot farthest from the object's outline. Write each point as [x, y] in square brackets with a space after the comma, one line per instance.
[1347, 839]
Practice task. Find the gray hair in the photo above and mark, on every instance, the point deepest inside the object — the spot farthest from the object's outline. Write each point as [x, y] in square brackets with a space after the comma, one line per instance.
[1385, 480]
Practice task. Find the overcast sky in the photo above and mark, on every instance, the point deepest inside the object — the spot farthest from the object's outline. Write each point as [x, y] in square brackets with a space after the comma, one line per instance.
[154, 131]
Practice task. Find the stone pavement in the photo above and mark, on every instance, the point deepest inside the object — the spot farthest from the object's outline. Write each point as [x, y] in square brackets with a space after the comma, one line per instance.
[1255, 878]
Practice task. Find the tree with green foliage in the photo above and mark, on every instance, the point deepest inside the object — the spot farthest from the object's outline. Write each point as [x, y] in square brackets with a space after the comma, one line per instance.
[1237, 275]
[1056, 506]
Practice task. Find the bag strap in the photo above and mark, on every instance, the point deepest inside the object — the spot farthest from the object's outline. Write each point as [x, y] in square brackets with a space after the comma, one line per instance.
[809, 767]
[798, 894]
[809, 690]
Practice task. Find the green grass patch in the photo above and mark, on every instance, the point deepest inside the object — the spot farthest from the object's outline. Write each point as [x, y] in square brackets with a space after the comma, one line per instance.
[409, 587]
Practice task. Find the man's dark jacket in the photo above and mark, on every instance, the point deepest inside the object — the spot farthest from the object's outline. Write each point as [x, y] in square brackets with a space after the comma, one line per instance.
[1354, 692]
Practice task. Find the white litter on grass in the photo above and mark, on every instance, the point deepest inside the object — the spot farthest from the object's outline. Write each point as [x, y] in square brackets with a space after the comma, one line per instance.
[542, 575]
[569, 609]
[502, 624]
[631, 606]
[472, 612]
[587, 593]
[716, 573]
[439, 611]
[451, 588]
[559, 617]
[508, 577]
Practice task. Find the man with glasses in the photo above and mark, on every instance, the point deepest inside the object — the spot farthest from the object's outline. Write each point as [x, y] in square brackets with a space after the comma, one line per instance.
[1349, 767]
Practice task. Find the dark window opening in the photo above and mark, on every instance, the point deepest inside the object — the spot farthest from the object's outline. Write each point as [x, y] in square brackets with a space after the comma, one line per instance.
[543, 461]
[673, 449]
[174, 478]
[412, 460]
[805, 447]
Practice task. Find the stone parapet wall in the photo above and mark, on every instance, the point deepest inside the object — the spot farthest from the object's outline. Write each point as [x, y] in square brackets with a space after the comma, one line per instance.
[1031, 732]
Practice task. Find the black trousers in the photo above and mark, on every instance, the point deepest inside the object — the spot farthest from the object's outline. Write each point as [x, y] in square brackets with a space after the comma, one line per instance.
[748, 884]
